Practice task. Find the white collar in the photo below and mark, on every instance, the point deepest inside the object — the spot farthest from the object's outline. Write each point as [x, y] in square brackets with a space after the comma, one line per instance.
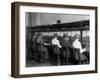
[77, 40]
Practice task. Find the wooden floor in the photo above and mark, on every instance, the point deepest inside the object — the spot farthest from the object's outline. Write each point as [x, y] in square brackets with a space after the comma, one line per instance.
[33, 63]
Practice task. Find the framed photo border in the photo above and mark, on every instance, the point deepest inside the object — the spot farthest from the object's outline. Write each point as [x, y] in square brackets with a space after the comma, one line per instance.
[15, 69]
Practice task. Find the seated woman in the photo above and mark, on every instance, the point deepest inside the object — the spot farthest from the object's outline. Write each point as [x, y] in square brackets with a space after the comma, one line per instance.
[78, 50]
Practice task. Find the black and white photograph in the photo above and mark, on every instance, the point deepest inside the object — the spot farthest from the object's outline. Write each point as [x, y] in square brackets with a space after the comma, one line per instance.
[57, 39]
[52, 39]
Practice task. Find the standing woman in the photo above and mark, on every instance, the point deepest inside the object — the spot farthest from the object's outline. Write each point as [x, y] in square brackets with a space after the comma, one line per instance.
[66, 46]
[42, 50]
[56, 50]
[78, 50]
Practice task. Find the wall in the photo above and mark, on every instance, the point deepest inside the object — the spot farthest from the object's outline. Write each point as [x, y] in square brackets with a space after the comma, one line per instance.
[5, 40]
[47, 18]
[52, 18]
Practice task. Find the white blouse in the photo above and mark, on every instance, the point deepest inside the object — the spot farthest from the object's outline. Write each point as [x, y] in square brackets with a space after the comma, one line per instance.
[55, 41]
[77, 44]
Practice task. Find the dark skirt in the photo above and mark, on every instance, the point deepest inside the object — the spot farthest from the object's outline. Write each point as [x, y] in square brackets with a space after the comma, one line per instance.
[80, 56]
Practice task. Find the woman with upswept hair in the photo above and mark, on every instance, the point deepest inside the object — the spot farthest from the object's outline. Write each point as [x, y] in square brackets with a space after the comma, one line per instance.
[42, 50]
[78, 50]
[66, 46]
[77, 44]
